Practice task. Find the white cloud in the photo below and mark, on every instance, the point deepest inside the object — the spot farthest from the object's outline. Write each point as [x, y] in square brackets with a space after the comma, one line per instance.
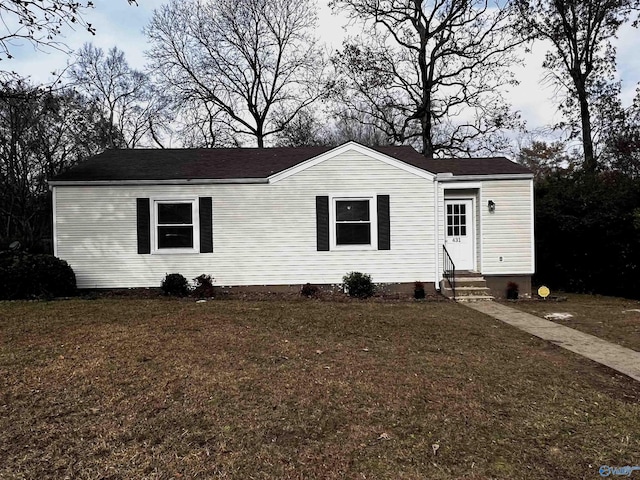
[628, 62]
[533, 97]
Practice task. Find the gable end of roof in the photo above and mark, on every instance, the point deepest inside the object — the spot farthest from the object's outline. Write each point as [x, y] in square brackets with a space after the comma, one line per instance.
[380, 154]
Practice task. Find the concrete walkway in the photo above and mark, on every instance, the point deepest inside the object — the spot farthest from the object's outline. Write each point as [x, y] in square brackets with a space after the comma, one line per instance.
[622, 359]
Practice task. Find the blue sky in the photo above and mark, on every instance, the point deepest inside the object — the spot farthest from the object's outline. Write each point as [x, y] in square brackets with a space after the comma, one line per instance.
[119, 24]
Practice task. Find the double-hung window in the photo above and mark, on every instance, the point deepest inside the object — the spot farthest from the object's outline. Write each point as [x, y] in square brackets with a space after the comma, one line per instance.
[353, 222]
[175, 228]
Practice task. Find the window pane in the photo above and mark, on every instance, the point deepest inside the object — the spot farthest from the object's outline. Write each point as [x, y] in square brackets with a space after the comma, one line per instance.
[175, 237]
[353, 234]
[463, 231]
[352, 210]
[174, 213]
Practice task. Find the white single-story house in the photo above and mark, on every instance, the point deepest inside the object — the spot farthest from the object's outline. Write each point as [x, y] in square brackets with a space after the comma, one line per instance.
[290, 216]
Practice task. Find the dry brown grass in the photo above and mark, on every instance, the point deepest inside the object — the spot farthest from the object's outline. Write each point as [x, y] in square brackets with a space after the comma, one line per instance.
[126, 388]
[611, 318]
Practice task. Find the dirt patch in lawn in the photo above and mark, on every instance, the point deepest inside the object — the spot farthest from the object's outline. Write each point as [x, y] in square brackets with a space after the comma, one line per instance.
[610, 318]
[130, 388]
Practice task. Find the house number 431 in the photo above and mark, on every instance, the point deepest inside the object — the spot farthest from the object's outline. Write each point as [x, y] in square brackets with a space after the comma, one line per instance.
[455, 239]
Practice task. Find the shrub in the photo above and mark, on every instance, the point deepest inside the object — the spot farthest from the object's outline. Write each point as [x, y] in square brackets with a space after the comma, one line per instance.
[358, 285]
[203, 286]
[418, 290]
[25, 275]
[309, 290]
[175, 284]
[512, 291]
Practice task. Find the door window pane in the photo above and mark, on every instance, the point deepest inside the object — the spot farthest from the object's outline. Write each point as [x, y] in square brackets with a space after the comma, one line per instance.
[456, 220]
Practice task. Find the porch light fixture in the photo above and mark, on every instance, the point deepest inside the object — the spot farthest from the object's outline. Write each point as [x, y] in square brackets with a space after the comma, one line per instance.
[492, 206]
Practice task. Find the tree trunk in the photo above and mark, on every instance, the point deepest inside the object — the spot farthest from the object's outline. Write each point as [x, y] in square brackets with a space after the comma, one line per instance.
[590, 164]
[260, 133]
[427, 142]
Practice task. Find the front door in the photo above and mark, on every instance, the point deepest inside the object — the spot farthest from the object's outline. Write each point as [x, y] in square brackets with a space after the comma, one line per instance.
[459, 235]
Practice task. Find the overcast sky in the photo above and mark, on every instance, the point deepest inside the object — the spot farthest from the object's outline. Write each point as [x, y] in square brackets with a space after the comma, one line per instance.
[121, 25]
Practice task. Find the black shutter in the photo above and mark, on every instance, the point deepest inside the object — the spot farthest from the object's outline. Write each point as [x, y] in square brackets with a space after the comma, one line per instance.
[143, 221]
[322, 223]
[206, 227]
[384, 225]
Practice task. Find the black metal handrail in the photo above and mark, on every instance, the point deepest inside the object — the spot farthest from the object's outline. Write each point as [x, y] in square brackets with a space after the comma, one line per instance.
[449, 270]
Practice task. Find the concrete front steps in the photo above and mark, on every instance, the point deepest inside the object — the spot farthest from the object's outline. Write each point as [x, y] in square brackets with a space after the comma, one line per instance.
[470, 287]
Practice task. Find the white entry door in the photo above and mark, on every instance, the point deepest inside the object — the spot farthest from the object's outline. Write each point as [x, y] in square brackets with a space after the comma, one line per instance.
[459, 234]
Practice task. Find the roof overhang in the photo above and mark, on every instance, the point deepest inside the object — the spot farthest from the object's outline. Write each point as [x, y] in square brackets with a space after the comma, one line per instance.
[195, 181]
[449, 177]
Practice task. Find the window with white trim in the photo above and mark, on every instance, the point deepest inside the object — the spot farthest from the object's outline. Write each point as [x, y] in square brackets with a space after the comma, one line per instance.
[175, 225]
[353, 221]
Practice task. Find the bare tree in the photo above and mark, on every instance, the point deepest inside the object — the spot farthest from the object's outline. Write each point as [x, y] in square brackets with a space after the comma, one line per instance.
[328, 128]
[201, 125]
[40, 22]
[42, 133]
[582, 60]
[135, 109]
[247, 62]
[429, 72]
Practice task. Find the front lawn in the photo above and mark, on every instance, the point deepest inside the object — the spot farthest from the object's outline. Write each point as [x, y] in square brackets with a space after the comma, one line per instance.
[125, 388]
[610, 318]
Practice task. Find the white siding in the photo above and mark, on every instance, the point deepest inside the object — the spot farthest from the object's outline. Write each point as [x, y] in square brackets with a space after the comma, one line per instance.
[262, 234]
[508, 232]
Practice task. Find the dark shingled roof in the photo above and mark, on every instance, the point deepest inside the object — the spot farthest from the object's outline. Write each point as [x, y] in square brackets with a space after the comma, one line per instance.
[457, 166]
[254, 163]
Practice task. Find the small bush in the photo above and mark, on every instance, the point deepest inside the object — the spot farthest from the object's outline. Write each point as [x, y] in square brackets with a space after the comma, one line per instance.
[358, 285]
[418, 290]
[310, 291]
[512, 291]
[25, 275]
[203, 286]
[175, 285]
